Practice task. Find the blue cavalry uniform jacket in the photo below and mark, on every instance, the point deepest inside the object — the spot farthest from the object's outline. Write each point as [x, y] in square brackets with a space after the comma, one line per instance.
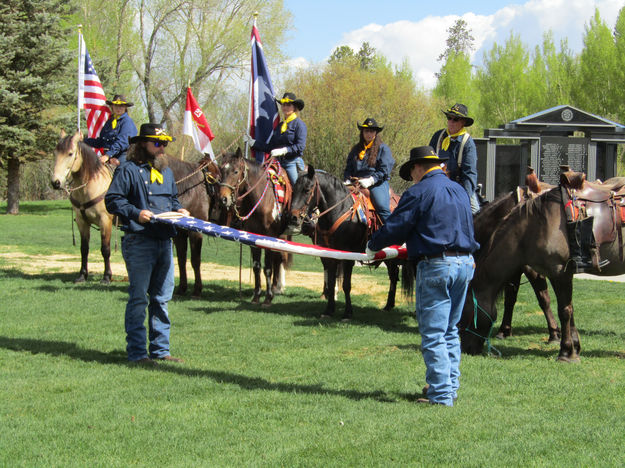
[466, 174]
[293, 139]
[131, 191]
[356, 167]
[432, 216]
[115, 139]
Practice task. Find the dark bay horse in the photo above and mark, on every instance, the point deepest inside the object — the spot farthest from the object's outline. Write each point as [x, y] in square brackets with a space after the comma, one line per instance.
[246, 191]
[534, 233]
[322, 191]
[78, 169]
[196, 185]
[485, 222]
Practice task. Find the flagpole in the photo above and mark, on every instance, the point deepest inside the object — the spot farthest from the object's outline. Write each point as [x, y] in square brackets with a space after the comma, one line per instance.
[79, 55]
[249, 108]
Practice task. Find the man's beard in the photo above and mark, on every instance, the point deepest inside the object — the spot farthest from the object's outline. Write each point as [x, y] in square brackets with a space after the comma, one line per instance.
[160, 162]
[138, 152]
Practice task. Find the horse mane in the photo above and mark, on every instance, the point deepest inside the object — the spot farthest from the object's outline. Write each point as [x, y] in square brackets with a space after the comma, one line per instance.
[182, 169]
[490, 216]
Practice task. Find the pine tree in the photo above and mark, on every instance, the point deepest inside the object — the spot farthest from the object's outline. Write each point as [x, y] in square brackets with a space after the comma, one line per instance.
[34, 60]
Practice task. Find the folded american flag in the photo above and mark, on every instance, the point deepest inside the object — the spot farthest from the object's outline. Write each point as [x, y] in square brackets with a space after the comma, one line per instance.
[266, 242]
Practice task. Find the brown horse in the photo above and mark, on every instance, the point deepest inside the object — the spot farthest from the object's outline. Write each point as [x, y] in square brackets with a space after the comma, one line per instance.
[533, 233]
[485, 222]
[196, 186]
[79, 168]
[337, 229]
[246, 191]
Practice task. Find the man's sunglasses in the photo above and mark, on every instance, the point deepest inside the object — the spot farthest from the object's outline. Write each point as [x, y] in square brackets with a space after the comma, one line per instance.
[158, 144]
[455, 119]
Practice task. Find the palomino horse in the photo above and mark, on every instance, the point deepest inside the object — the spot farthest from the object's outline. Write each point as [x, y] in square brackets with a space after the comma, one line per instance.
[196, 186]
[485, 222]
[534, 233]
[78, 166]
[338, 229]
[246, 189]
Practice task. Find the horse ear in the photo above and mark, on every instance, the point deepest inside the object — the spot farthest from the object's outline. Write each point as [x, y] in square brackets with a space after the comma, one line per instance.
[63, 134]
[77, 137]
[311, 171]
[238, 152]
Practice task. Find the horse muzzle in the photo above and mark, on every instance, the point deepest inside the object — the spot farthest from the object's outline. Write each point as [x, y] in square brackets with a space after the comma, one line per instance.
[56, 184]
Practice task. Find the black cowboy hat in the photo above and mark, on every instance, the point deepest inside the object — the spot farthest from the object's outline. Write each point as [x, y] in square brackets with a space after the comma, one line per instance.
[371, 124]
[459, 110]
[420, 154]
[151, 132]
[119, 100]
[290, 98]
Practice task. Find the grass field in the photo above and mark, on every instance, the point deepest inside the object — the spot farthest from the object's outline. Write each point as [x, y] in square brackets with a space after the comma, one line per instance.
[279, 386]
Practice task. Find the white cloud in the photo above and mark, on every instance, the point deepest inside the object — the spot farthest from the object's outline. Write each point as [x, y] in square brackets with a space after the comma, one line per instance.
[423, 41]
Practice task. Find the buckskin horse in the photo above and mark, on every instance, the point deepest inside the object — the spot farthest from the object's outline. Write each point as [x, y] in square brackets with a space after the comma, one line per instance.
[79, 167]
[535, 233]
[338, 227]
[246, 192]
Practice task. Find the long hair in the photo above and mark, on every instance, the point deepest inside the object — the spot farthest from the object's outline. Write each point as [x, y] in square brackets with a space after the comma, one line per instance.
[373, 151]
[137, 153]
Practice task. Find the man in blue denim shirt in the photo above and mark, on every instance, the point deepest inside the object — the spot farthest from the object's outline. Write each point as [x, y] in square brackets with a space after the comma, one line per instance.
[142, 187]
[117, 130]
[434, 219]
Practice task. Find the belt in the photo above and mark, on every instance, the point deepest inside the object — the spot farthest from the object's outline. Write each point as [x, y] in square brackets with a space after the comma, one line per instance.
[446, 253]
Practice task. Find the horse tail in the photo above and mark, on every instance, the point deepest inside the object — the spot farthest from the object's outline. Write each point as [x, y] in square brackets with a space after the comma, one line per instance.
[408, 275]
[288, 261]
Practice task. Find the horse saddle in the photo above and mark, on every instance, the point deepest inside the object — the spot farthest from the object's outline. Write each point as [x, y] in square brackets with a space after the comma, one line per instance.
[281, 184]
[604, 202]
[372, 219]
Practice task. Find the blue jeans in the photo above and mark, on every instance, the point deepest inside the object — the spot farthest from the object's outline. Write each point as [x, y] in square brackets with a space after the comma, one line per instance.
[381, 199]
[292, 166]
[440, 293]
[150, 266]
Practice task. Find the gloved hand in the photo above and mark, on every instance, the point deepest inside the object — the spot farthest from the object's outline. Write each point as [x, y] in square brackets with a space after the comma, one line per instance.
[278, 152]
[370, 253]
[366, 182]
[347, 182]
[249, 140]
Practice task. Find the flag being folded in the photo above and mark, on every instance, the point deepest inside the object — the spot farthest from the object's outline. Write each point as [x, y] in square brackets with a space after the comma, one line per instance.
[196, 126]
[266, 242]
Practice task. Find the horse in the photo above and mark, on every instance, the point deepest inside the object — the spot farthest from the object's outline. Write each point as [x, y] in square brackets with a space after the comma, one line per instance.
[87, 179]
[534, 233]
[196, 188]
[485, 222]
[246, 192]
[338, 229]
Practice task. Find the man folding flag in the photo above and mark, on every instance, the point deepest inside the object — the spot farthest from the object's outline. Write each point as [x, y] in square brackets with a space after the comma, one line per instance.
[91, 95]
[264, 115]
[196, 126]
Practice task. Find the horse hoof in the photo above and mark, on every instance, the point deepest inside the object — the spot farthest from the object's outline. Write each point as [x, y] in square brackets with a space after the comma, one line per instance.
[325, 316]
[500, 336]
[105, 281]
[571, 360]
[80, 279]
[346, 319]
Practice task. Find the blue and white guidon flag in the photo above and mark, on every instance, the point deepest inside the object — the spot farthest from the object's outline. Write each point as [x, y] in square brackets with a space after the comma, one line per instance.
[266, 242]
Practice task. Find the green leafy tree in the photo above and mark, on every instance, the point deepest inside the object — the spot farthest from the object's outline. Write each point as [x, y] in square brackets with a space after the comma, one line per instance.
[597, 85]
[503, 83]
[34, 91]
[459, 40]
[619, 40]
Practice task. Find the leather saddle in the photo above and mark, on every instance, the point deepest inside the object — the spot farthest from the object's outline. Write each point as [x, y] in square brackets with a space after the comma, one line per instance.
[603, 201]
[373, 220]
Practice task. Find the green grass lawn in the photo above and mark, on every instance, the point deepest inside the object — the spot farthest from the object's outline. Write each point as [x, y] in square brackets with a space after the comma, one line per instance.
[279, 386]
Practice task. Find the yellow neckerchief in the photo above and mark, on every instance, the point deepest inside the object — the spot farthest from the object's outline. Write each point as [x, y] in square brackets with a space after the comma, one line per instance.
[447, 140]
[155, 175]
[361, 155]
[290, 118]
[114, 123]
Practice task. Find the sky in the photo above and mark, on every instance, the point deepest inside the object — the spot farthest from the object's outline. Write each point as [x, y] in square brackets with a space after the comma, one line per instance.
[416, 30]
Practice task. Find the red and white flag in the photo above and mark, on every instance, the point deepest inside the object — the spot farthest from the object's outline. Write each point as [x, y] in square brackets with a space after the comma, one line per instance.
[91, 95]
[196, 126]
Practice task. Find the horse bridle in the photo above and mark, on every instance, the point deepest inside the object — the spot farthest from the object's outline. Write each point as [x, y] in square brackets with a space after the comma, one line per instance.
[315, 191]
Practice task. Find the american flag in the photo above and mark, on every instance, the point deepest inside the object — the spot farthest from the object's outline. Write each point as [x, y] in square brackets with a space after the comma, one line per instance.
[91, 95]
[264, 116]
[265, 242]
